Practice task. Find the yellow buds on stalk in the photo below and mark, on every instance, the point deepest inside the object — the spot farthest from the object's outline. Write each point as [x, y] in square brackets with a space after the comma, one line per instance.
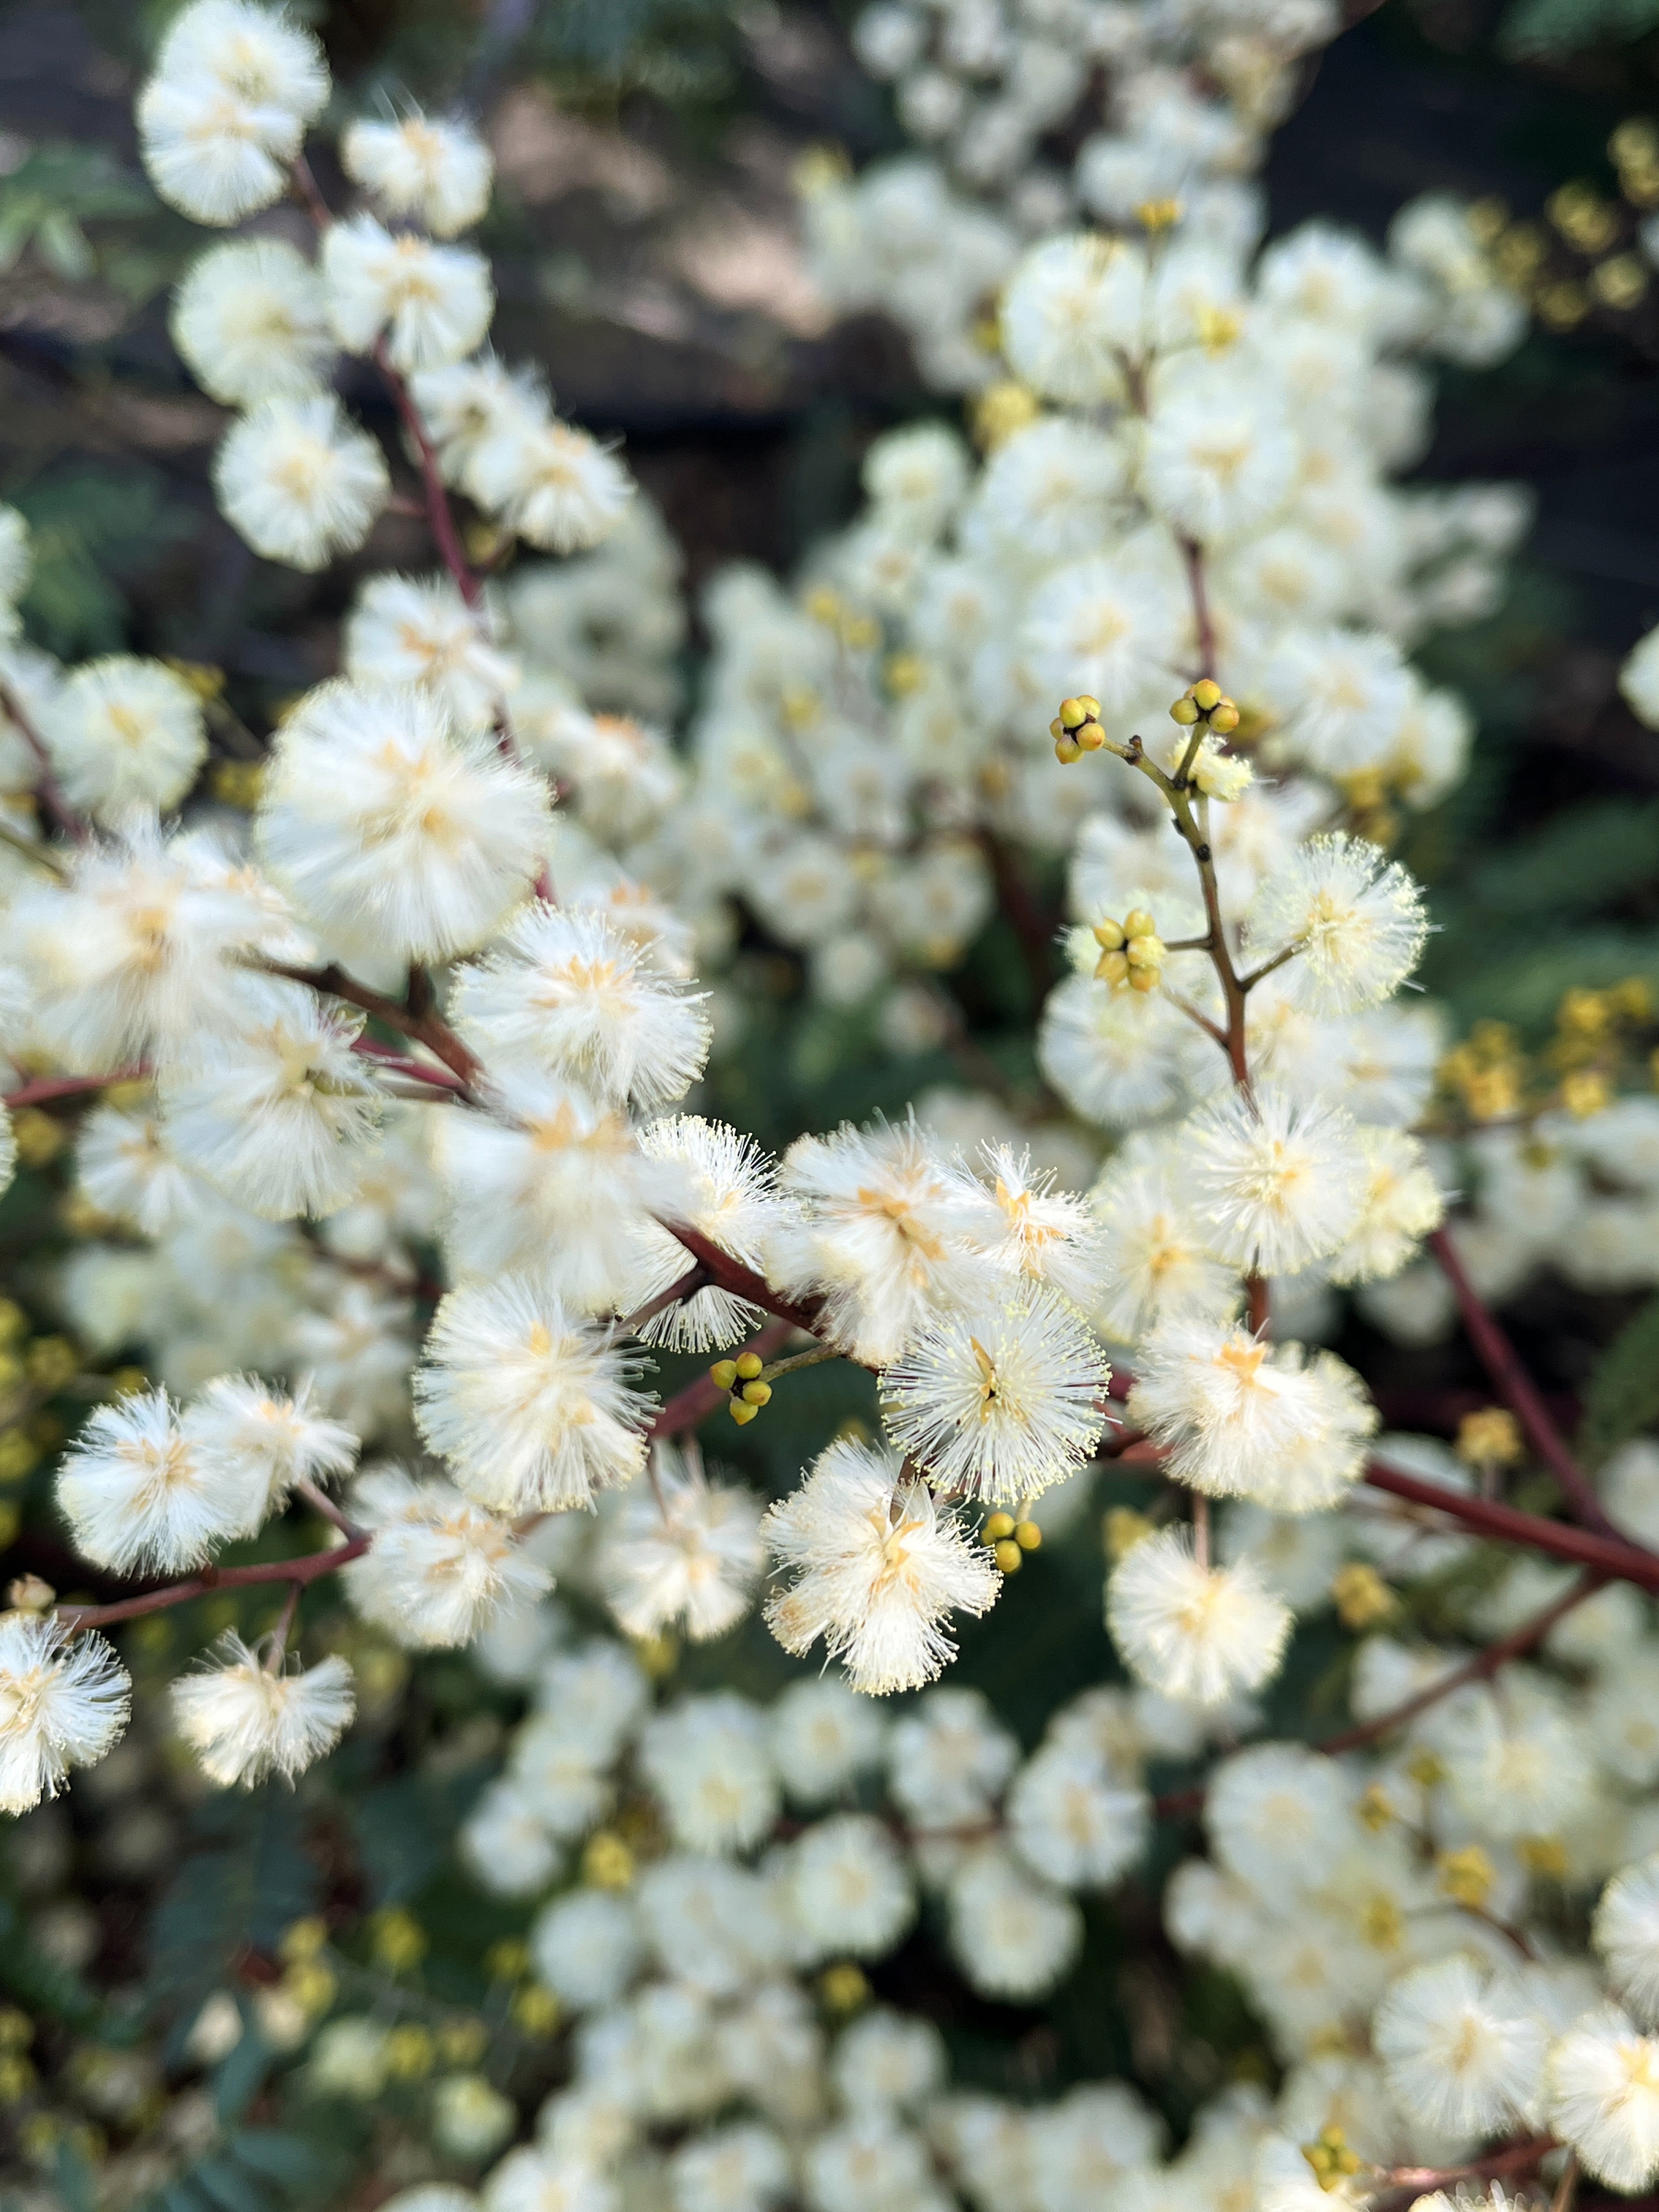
[1361, 1596]
[1331, 2157]
[1010, 1539]
[1490, 1438]
[1205, 702]
[741, 1377]
[1076, 729]
[1131, 952]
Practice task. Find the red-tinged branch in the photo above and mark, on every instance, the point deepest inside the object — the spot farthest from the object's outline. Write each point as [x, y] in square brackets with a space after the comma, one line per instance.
[693, 1405]
[46, 784]
[1517, 2158]
[303, 1571]
[1513, 1383]
[1479, 1667]
[1606, 1555]
[426, 1027]
[743, 1283]
[417, 1071]
[1033, 929]
[46, 1088]
[441, 520]
[687, 1286]
[1192, 554]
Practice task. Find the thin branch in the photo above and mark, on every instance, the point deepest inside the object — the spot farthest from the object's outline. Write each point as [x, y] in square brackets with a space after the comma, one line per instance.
[417, 1071]
[1480, 1667]
[1247, 984]
[439, 517]
[816, 1358]
[279, 1635]
[1192, 554]
[743, 1283]
[320, 1502]
[1610, 1556]
[46, 1088]
[1513, 1383]
[46, 784]
[687, 1286]
[1518, 2158]
[427, 1028]
[307, 1569]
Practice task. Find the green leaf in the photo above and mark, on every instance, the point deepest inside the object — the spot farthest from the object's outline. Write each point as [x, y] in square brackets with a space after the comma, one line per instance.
[1535, 28]
[1622, 1396]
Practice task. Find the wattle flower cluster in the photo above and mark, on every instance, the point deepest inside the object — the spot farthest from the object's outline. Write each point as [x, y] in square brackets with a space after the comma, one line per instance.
[439, 998]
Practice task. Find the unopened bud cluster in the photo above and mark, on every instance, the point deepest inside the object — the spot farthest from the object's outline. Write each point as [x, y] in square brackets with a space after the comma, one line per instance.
[1131, 952]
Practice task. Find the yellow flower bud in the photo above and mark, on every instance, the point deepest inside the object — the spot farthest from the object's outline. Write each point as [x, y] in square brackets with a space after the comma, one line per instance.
[607, 1863]
[742, 1414]
[1109, 935]
[537, 2010]
[757, 1393]
[997, 1526]
[1466, 1875]
[1122, 1530]
[1489, 1437]
[1144, 979]
[1544, 1856]
[1373, 1807]
[723, 1373]
[1091, 736]
[1144, 952]
[1584, 1092]
[1073, 713]
[843, 1987]
[748, 1365]
[1183, 712]
[1028, 1535]
[1138, 922]
[1056, 729]
[1008, 1556]
[1225, 718]
[1206, 693]
[1066, 750]
[1360, 1596]
[1089, 705]
[1112, 968]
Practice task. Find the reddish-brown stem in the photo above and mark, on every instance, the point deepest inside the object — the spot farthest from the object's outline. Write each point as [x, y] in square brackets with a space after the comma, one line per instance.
[46, 1088]
[1258, 1305]
[302, 1571]
[426, 1028]
[1480, 1667]
[1585, 1547]
[1517, 2158]
[439, 519]
[743, 1282]
[279, 1635]
[1513, 1383]
[705, 1396]
[321, 1502]
[683, 1286]
[46, 784]
[1031, 926]
[1203, 621]
[417, 1071]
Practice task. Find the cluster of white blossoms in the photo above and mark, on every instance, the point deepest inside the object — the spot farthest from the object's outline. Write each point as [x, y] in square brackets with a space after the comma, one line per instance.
[396, 1141]
[1162, 106]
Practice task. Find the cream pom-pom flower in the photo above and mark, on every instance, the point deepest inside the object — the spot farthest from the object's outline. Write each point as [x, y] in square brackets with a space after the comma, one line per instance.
[1196, 1633]
[564, 989]
[246, 1721]
[877, 1569]
[125, 734]
[1279, 1181]
[533, 1407]
[300, 481]
[138, 1491]
[1072, 309]
[999, 1399]
[393, 832]
[429, 167]
[1354, 918]
[249, 323]
[431, 303]
[1242, 1417]
[64, 1702]
[419, 630]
